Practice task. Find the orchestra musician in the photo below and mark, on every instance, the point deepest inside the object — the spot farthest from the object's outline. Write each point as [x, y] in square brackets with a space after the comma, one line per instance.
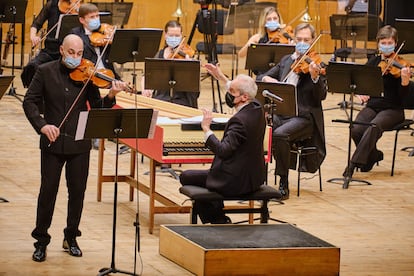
[174, 48]
[271, 30]
[53, 85]
[90, 21]
[311, 90]
[383, 113]
[238, 167]
[50, 13]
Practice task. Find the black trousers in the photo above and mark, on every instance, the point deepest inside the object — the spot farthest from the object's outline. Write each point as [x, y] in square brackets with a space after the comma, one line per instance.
[286, 131]
[76, 169]
[366, 137]
[209, 211]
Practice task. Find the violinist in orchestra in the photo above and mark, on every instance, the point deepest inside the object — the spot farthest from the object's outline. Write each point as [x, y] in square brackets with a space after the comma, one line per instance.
[175, 48]
[64, 100]
[50, 13]
[383, 113]
[272, 30]
[90, 21]
[311, 91]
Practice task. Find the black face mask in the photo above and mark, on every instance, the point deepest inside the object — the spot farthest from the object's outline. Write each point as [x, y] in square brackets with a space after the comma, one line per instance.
[230, 100]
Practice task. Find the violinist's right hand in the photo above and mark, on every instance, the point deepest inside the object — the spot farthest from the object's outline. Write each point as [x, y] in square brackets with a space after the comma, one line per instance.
[363, 98]
[34, 38]
[269, 79]
[52, 132]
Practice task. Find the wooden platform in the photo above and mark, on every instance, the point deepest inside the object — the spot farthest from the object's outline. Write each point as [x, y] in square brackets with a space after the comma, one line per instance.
[248, 250]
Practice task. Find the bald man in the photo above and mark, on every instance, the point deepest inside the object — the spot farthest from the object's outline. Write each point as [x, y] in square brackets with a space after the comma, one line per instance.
[52, 87]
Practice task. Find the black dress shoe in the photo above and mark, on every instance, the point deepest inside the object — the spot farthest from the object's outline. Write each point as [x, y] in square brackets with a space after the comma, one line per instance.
[72, 247]
[284, 187]
[222, 220]
[378, 156]
[39, 255]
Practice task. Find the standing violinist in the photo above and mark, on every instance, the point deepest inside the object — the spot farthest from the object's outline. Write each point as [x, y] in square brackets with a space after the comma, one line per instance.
[53, 86]
[173, 41]
[50, 13]
[311, 90]
[383, 113]
[270, 23]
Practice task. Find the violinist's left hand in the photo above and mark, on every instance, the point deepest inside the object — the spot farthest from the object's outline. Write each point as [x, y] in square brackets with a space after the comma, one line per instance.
[405, 76]
[314, 70]
[117, 86]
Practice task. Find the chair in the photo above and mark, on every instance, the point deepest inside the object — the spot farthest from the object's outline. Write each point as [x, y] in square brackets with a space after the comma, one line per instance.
[405, 125]
[302, 151]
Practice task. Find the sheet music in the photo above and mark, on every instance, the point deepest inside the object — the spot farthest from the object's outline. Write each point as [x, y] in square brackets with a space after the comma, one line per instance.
[80, 130]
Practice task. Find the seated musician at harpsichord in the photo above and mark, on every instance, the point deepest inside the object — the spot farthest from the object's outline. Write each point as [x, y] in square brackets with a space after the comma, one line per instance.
[175, 48]
[238, 167]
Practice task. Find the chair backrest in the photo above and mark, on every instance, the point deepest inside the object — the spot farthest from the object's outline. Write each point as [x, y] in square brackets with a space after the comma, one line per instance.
[211, 21]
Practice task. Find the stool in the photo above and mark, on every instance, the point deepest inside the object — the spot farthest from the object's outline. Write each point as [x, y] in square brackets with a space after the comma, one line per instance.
[302, 151]
[264, 194]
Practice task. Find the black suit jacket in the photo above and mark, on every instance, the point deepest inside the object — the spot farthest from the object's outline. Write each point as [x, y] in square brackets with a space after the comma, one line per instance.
[309, 99]
[52, 85]
[238, 166]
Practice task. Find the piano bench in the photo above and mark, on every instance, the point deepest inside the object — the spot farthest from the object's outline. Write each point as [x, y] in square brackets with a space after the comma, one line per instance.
[264, 194]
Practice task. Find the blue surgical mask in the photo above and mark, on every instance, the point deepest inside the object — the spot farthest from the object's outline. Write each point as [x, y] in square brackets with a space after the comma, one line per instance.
[272, 25]
[386, 49]
[173, 41]
[94, 24]
[302, 47]
[71, 62]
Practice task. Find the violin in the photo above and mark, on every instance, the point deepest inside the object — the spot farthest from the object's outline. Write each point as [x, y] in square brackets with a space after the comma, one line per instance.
[393, 65]
[281, 35]
[303, 66]
[182, 51]
[69, 6]
[101, 78]
[102, 36]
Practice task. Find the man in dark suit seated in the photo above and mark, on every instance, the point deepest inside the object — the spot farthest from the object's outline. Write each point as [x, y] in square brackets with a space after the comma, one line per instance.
[311, 91]
[238, 167]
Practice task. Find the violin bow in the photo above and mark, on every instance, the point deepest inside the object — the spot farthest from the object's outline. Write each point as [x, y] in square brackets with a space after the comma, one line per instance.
[302, 58]
[56, 24]
[391, 60]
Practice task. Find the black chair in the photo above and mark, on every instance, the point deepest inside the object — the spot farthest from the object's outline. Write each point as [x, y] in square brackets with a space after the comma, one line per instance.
[301, 151]
[405, 125]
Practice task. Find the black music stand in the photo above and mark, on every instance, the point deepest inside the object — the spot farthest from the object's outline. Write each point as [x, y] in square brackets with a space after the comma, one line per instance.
[172, 74]
[353, 79]
[262, 57]
[134, 45]
[120, 11]
[115, 123]
[69, 21]
[285, 91]
[5, 82]
[14, 12]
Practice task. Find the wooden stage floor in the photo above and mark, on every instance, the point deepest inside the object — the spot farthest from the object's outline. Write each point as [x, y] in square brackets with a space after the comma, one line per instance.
[372, 225]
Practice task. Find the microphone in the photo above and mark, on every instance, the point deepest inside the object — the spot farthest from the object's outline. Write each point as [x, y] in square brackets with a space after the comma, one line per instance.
[268, 94]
